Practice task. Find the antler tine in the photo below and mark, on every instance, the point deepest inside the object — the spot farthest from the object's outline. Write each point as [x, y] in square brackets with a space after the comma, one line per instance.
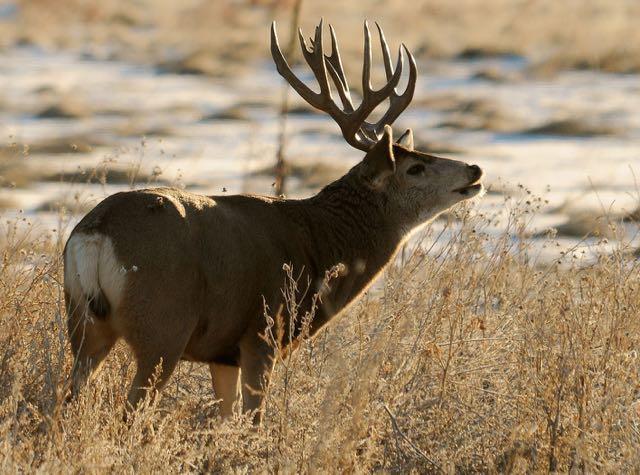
[344, 94]
[385, 53]
[372, 99]
[315, 59]
[285, 71]
[366, 66]
[335, 60]
[399, 102]
[321, 73]
[334, 63]
[303, 42]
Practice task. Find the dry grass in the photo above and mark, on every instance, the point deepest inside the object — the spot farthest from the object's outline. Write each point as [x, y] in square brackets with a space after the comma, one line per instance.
[438, 148]
[18, 171]
[104, 173]
[217, 38]
[468, 359]
[311, 175]
[14, 172]
[7, 203]
[471, 358]
[634, 216]
[51, 146]
[485, 114]
[65, 108]
[495, 75]
[584, 224]
[76, 204]
[576, 127]
[481, 114]
[233, 113]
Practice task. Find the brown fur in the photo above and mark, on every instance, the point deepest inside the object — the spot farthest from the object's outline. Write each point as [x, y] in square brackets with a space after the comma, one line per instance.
[198, 270]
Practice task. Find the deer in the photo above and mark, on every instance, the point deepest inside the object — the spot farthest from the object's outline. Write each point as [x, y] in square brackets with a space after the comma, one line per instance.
[182, 276]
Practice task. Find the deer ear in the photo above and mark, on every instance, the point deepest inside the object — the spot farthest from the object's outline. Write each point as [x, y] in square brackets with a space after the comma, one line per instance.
[379, 162]
[406, 139]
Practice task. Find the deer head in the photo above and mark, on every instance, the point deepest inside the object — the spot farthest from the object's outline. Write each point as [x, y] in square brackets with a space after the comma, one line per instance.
[415, 186]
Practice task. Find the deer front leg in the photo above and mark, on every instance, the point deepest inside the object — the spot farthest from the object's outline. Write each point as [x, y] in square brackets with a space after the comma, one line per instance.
[256, 364]
[225, 385]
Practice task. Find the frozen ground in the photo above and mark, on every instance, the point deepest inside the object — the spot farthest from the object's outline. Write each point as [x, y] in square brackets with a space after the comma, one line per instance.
[212, 135]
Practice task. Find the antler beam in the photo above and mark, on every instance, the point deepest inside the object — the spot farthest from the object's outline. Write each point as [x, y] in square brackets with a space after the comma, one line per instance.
[353, 122]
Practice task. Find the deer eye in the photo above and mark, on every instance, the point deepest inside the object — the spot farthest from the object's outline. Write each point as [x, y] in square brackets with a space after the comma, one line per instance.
[416, 169]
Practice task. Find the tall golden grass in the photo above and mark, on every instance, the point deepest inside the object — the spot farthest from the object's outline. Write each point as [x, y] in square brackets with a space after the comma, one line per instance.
[470, 357]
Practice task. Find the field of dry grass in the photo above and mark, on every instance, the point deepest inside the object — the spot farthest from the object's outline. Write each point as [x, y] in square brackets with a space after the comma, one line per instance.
[217, 38]
[471, 358]
[469, 355]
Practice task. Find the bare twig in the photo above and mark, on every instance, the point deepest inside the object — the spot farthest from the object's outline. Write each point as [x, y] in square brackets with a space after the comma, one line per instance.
[281, 165]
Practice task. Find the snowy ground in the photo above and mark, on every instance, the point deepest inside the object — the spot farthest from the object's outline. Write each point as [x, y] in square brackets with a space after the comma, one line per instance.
[213, 134]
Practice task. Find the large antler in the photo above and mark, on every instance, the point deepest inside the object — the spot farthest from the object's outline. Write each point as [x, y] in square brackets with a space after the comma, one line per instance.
[356, 130]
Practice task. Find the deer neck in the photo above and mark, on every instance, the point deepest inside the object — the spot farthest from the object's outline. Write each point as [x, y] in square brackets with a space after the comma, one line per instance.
[346, 224]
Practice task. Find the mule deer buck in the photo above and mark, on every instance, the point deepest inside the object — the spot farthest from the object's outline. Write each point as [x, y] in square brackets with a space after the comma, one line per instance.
[183, 276]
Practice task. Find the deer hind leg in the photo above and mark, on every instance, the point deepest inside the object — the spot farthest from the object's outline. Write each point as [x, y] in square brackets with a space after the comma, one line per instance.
[158, 343]
[91, 340]
[157, 331]
[256, 364]
[155, 365]
[225, 380]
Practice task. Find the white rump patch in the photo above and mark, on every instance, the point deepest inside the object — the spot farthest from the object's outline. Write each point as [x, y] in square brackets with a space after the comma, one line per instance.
[91, 266]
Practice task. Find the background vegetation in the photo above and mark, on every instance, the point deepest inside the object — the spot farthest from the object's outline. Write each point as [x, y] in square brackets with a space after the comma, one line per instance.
[469, 355]
[215, 37]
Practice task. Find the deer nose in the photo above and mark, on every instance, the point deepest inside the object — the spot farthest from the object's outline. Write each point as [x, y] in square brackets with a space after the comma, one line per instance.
[476, 171]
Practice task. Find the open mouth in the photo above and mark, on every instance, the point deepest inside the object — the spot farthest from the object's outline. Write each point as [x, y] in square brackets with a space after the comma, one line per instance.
[469, 189]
